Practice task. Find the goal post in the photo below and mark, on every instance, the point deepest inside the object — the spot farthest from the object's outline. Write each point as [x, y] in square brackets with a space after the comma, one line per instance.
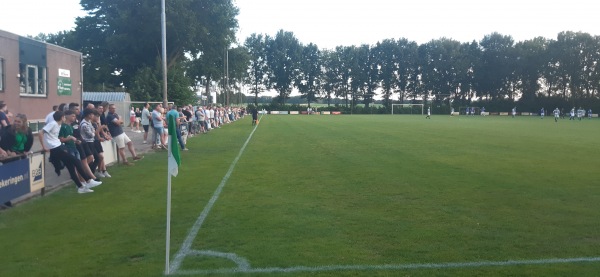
[407, 108]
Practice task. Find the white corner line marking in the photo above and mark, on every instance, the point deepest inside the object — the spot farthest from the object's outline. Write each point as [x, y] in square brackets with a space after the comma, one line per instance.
[187, 244]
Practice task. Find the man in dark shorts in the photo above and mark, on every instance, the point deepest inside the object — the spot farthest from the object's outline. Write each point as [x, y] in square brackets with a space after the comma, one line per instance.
[254, 116]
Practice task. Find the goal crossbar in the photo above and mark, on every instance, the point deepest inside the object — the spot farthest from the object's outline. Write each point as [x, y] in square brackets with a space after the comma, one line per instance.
[398, 107]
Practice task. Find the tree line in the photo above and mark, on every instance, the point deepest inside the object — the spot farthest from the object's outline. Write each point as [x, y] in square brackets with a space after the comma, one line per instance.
[495, 72]
[121, 46]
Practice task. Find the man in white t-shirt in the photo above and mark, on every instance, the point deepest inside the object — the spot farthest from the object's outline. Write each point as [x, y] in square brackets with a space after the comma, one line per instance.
[49, 116]
[146, 116]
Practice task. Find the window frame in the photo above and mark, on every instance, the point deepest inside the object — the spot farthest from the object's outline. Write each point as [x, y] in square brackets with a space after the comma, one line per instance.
[2, 75]
[36, 85]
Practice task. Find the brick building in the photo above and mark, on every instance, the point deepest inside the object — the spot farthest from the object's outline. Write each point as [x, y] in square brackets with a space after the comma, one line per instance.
[35, 75]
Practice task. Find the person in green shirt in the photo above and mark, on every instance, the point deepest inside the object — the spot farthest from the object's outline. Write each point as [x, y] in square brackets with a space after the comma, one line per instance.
[17, 138]
[65, 135]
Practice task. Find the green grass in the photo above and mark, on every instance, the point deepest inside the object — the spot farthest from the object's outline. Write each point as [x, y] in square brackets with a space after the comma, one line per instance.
[319, 191]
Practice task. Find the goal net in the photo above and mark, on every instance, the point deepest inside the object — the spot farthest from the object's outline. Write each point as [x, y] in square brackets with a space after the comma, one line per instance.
[407, 109]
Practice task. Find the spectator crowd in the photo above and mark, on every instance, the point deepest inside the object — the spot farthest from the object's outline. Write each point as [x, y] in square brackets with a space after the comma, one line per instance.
[73, 135]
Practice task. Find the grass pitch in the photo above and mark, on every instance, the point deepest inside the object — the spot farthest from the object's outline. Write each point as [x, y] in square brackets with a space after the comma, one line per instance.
[335, 196]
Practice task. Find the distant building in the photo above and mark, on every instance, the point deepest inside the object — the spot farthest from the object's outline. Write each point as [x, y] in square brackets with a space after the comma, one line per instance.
[35, 75]
[122, 101]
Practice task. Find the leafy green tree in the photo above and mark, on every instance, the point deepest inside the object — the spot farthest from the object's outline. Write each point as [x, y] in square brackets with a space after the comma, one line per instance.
[387, 57]
[239, 61]
[341, 72]
[363, 74]
[283, 57]
[441, 74]
[116, 44]
[532, 57]
[466, 66]
[495, 71]
[407, 64]
[309, 77]
[574, 59]
[147, 84]
[258, 69]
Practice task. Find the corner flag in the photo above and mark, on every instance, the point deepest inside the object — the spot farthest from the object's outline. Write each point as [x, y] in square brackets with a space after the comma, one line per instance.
[174, 158]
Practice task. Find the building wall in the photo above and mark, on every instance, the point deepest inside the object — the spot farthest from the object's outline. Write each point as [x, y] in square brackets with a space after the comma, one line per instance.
[17, 52]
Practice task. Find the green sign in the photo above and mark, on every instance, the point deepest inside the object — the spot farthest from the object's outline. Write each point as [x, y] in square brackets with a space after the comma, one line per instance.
[64, 86]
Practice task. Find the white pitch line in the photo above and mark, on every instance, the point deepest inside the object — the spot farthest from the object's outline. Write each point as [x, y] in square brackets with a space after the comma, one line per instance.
[186, 246]
[392, 266]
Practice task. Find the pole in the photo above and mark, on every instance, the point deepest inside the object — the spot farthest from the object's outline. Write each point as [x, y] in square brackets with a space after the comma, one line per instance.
[164, 68]
[227, 74]
[164, 52]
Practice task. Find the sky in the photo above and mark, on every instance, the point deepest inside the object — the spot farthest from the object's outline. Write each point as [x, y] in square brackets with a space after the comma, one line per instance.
[330, 23]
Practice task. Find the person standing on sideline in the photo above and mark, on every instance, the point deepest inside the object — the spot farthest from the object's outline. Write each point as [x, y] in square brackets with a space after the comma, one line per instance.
[514, 112]
[428, 113]
[50, 143]
[88, 134]
[145, 121]
[589, 113]
[83, 151]
[254, 116]
[119, 137]
[200, 116]
[132, 118]
[556, 114]
[101, 136]
[138, 117]
[158, 127]
[4, 114]
[173, 112]
[542, 113]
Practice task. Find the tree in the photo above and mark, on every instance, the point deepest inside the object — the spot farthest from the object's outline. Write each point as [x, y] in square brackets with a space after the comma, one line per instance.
[407, 64]
[495, 72]
[574, 64]
[386, 58]
[148, 81]
[531, 59]
[239, 61]
[363, 74]
[116, 44]
[283, 57]
[309, 77]
[258, 70]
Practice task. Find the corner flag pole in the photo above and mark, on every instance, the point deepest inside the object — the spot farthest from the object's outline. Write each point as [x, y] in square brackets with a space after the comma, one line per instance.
[164, 67]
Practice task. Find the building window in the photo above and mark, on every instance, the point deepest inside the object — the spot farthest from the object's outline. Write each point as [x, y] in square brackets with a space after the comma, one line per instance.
[1, 75]
[33, 80]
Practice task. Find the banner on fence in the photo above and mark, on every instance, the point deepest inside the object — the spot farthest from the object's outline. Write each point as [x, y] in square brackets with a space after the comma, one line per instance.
[14, 180]
[36, 173]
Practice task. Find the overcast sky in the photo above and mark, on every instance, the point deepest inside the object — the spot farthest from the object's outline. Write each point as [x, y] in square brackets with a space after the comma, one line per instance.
[329, 23]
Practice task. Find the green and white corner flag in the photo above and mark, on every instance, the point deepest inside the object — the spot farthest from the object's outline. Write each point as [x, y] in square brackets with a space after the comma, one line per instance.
[174, 157]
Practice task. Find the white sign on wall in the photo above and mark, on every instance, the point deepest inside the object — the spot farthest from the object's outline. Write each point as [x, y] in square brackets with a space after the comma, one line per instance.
[64, 73]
